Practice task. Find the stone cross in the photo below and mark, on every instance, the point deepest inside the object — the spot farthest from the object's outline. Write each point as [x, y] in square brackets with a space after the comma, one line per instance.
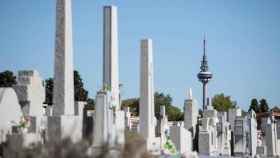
[63, 95]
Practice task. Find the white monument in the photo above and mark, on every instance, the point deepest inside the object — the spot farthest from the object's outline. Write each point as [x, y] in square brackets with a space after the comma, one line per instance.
[109, 123]
[10, 112]
[30, 90]
[272, 145]
[224, 135]
[182, 139]
[207, 142]
[253, 137]
[190, 113]
[239, 136]
[64, 123]
[147, 114]
[111, 53]
[101, 125]
[63, 92]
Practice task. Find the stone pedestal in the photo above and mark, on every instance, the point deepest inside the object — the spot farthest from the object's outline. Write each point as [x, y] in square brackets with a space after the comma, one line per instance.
[59, 127]
[182, 139]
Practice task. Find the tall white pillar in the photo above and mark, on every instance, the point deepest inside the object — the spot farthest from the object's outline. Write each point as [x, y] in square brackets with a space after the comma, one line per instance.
[110, 54]
[147, 127]
[63, 95]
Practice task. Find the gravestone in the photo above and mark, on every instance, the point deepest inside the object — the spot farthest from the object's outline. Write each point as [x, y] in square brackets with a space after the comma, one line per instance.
[271, 138]
[239, 135]
[224, 135]
[10, 112]
[127, 118]
[182, 139]
[162, 125]
[63, 123]
[147, 114]
[252, 141]
[232, 114]
[190, 113]
[30, 90]
[207, 142]
[101, 122]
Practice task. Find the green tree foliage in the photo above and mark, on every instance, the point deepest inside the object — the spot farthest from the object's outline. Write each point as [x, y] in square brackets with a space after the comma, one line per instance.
[80, 93]
[222, 103]
[7, 79]
[173, 112]
[254, 105]
[49, 91]
[263, 106]
[133, 104]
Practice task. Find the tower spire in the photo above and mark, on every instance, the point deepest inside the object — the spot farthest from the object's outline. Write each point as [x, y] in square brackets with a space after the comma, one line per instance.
[204, 75]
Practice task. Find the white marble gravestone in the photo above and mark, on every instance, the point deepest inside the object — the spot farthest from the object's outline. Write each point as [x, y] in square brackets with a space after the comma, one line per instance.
[10, 112]
[207, 139]
[64, 123]
[110, 53]
[101, 120]
[271, 138]
[190, 113]
[147, 114]
[127, 118]
[239, 136]
[182, 139]
[253, 137]
[224, 135]
[30, 90]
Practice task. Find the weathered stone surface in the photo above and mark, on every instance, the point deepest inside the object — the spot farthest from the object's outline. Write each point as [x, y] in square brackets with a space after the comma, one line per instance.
[30, 90]
[10, 111]
[146, 90]
[190, 113]
[147, 122]
[101, 120]
[59, 127]
[110, 54]
[63, 95]
[182, 139]
[79, 108]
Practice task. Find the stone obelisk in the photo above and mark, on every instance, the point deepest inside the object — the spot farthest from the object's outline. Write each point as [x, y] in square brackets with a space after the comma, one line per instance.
[147, 125]
[63, 95]
[110, 54]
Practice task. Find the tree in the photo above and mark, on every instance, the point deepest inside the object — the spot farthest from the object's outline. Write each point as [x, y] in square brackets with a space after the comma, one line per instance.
[80, 93]
[254, 105]
[222, 103]
[173, 112]
[49, 91]
[133, 104]
[275, 109]
[7, 79]
[263, 106]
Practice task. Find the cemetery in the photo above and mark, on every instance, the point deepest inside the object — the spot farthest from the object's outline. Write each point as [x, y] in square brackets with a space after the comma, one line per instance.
[209, 133]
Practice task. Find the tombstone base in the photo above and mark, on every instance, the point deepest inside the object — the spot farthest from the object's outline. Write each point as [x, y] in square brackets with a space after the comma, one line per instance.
[153, 145]
[65, 126]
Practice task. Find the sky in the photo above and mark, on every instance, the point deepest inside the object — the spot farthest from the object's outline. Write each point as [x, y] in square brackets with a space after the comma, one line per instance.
[243, 44]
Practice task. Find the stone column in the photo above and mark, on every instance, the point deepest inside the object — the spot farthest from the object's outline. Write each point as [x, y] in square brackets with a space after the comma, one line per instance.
[101, 120]
[110, 53]
[147, 128]
[63, 95]
[190, 113]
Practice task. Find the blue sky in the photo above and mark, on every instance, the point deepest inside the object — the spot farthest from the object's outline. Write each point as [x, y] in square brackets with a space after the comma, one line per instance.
[243, 44]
